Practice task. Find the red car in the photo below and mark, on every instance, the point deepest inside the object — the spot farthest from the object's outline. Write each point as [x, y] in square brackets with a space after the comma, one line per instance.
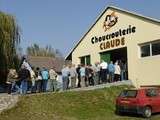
[144, 101]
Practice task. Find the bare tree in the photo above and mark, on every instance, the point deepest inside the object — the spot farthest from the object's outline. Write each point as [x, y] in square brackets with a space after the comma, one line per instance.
[48, 51]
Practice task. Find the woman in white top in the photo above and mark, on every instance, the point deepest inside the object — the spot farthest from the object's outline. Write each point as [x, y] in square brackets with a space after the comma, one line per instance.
[117, 71]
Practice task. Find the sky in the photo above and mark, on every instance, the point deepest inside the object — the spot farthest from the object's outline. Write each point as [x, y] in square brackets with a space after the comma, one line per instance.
[61, 23]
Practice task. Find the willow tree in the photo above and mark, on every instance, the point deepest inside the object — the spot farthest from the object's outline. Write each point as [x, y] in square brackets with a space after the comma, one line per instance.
[9, 40]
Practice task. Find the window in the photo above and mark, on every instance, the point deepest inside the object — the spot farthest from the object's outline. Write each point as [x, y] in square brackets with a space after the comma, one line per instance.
[150, 49]
[85, 60]
[151, 92]
[82, 60]
[128, 93]
[156, 48]
[145, 50]
[88, 61]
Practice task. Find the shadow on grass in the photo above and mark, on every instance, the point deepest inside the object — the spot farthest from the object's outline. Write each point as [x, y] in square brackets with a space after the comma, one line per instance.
[134, 115]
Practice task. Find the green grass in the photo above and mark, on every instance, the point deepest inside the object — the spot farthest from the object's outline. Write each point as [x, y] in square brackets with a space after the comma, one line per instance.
[82, 105]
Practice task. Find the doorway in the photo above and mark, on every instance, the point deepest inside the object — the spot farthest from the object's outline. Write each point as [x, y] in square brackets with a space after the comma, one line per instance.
[119, 55]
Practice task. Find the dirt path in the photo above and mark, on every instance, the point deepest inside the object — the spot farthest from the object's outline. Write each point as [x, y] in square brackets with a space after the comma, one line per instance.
[7, 101]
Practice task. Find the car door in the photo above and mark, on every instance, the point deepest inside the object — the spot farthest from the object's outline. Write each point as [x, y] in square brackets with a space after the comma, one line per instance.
[158, 101]
[153, 99]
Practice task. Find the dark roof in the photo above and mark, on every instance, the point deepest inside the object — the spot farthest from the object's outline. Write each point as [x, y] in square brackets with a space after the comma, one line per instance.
[47, 62]
[68, 57]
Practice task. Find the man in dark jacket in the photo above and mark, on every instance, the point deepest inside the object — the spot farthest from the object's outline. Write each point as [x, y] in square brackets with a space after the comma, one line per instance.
[79, 76]
[24, 76]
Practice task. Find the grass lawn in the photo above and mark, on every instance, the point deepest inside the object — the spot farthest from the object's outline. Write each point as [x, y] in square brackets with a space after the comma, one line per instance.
[82, 105]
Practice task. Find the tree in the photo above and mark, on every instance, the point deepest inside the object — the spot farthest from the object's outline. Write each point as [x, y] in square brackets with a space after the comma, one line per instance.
[48, 51]
[9, 40]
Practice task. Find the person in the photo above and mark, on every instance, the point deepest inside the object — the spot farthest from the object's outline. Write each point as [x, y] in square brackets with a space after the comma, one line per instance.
[83, 74]
[104, 66]
[86, 75]
[11, 79]
[45, 77]
[78, 75]
[59, 82]
[28, 67]
[121, 64]
[90, 75]
[117, 71]
[52, 80]
[24, 76]
[96, 71]
[65, 76]
[73, 75]
[38, 82]
[33, 81]
[125, 71]
[111, 70]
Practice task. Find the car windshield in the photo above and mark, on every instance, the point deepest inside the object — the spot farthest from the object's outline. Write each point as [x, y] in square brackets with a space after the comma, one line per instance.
[128, 93]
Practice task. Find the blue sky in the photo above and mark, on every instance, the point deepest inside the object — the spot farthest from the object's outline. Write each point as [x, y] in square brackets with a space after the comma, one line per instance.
[61, 23]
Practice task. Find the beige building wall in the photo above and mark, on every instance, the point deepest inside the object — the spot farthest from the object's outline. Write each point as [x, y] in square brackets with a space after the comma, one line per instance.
[142, 71]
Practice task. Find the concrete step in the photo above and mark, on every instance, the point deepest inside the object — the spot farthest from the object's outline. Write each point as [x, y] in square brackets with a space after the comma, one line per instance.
[124, 82]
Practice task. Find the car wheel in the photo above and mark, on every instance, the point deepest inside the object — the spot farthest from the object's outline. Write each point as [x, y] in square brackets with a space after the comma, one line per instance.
[147, 112]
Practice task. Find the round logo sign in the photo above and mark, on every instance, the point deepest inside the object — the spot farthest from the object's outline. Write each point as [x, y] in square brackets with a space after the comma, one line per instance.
[110, 21]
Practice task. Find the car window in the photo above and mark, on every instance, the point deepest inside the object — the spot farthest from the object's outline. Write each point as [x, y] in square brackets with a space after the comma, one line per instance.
[128, 93]
[151, 92]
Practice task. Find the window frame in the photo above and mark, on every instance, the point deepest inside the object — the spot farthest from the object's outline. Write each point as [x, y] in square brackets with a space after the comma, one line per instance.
[146, 44]
[151, 94]
[87, 57]
[156, 42]
[151, 49]
[125, 93]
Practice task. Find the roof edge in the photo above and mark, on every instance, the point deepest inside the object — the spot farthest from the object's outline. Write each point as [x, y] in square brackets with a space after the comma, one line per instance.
[85, 33]
[135, 14]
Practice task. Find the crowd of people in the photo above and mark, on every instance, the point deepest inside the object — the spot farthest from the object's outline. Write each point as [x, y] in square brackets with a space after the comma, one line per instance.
[35, 80]
[89, 75]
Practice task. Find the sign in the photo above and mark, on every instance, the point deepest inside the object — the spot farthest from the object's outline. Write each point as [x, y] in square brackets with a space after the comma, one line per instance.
[113, 39]
[110, 21]
[112, 43]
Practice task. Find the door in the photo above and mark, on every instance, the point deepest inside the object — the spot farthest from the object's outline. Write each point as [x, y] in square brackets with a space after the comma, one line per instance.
[154, 99]
[106, 57]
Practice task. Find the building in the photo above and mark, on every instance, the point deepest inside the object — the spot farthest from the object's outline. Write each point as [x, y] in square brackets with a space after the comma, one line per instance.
[47, 62]
[122, 35]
